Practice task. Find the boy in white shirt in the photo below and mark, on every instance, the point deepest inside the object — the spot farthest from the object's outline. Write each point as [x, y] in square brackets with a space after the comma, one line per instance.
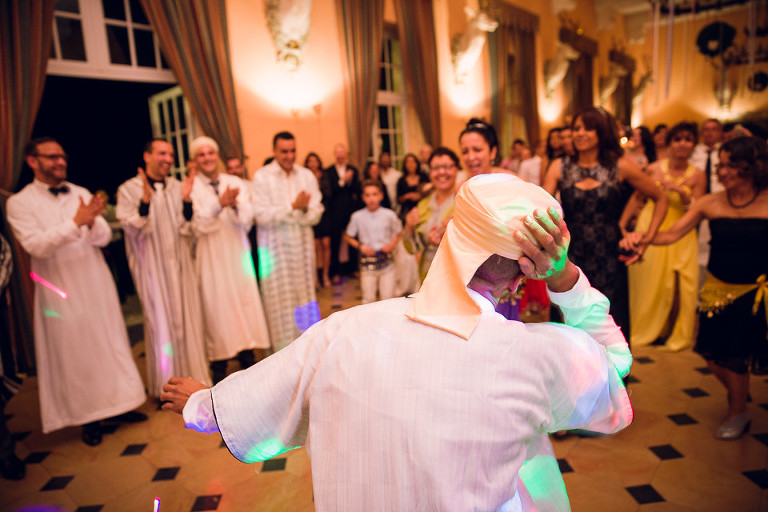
[374, 231]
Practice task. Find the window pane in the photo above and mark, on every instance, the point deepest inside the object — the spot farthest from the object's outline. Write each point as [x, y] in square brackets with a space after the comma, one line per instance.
[175, 152]
[67, 5]
[185, 149]
[384, 144]
[114, 9]
[383, 118]
[163, 62]
[119, 49]
[161, 117]
[137, 13]
[145, 48]
[71, 39]
[182, 116]
[382, 78]
[171, 117]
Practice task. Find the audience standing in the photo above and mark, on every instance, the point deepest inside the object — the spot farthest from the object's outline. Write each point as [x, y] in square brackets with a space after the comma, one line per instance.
[374, 232]
[322, 230]
[287, 204]
[158, 242]
[233, 316]
[344, 180]
[85, 369]
[667, 276]
[390, 176]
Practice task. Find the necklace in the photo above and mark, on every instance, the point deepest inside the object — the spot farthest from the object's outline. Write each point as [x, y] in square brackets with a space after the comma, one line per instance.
[730, 202]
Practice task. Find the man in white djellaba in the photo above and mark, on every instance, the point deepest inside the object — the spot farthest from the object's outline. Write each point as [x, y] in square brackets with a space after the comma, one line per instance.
[85, 369]
[433, 402]
[287, 203]
[233, 316]
[155, 210]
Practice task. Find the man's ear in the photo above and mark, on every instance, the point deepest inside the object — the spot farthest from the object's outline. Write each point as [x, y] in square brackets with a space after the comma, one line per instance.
[31, 162]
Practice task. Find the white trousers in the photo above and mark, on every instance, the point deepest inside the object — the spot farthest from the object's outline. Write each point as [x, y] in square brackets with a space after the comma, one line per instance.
[382, 280]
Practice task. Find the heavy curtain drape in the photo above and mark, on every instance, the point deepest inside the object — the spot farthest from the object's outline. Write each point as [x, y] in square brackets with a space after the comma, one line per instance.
[363, 32]
[517, 30]
[193, 36]
[416, 28]
[25, 42]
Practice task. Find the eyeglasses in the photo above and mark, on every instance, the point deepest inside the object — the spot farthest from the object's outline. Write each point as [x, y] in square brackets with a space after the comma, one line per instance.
[445, 167]
[53, 157]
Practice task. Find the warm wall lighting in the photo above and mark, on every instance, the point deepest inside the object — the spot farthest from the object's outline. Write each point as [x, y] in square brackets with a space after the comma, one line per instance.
[293, 92]
[467, 97]
[550, 109]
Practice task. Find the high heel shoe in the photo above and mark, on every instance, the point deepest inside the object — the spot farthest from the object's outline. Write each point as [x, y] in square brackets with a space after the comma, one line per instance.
[734, 428]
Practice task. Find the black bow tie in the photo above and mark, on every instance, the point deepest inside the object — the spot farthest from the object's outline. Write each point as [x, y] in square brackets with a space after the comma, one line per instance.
[58, 190]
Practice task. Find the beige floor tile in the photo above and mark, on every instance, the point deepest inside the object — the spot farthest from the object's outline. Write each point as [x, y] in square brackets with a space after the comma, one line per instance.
[101, 482]
[173, 497]
[617, 464]
[589, 495]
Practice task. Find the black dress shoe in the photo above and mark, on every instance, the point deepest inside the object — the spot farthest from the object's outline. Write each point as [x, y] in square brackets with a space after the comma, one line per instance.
[129, 417]
[92, 434]
[12, 468]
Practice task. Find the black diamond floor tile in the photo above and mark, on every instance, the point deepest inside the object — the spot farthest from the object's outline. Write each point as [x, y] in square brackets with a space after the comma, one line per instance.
[336, 306]
[763, 438]
[643, 360]
[274, 465]
[645, 494]
[166, 474]
[666, 452]
[682, 419]
[90, 508]
[759, 477]
[57, 483]
[133, 449]
[223, 444]
[764, 406]
[203, 503]
[704, 370]
[337, 294]
[36, 457]
[631, 379]
[695, 392]
[564, 466]
[19, 436]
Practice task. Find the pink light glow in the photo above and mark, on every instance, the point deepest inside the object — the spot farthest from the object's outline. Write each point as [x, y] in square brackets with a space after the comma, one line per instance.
[58, 291]
[157, 505]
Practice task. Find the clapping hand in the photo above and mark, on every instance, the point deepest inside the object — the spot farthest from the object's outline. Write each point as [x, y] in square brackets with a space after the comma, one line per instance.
[186, 185]
[229, 197]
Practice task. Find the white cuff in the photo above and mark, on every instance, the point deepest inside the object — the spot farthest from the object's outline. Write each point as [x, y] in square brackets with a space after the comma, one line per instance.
[198, 412]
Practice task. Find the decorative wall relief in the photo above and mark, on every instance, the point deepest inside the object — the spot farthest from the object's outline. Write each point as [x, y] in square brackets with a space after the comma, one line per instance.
[555, 69]
[466, 46]
[288, 22]
[609, 83]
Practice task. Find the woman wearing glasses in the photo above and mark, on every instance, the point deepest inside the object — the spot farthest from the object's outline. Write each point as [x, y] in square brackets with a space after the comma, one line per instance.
[732, 310]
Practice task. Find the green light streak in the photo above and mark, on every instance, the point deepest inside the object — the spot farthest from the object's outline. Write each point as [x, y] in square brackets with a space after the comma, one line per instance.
[51, 313]
[266, 262]
[247, 262]
[266, 450]
[544, 482]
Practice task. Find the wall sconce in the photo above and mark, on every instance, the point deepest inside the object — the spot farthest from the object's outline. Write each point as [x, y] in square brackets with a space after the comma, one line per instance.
[466, 46]
[288, 22]
[555, 69]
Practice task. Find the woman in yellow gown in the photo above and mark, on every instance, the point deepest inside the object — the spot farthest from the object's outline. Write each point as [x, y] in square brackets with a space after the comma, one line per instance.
[667, 272]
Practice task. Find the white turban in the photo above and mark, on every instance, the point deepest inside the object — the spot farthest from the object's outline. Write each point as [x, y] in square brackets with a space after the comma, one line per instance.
[201, 142]
[489, 208]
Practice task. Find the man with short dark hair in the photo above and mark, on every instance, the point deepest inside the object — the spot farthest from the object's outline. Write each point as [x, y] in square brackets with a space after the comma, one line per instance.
[155, 210]
[434, 402]
[286, 202]
[85, 368]
[236, 167]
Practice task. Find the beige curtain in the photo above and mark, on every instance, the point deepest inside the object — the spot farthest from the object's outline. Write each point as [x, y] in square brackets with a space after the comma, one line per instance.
[517, 30]
[26, 28]
[363, 31]
[193, 36]
[416, 27]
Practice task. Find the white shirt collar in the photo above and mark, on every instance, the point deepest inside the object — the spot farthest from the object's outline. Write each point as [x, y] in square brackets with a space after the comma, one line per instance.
[485, 304]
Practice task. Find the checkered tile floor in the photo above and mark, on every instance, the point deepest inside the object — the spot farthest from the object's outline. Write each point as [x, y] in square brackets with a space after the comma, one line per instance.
[667, 460]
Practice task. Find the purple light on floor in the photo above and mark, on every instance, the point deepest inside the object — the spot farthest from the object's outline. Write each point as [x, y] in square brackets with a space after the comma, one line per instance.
[58, 291]
[157, 505]
[307, 315]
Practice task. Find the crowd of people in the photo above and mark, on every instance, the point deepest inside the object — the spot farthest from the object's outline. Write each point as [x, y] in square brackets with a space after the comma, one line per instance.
[225, 263]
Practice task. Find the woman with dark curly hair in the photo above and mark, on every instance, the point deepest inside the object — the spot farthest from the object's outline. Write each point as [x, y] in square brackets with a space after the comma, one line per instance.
[732, 310]
[590, 185]
[643, 147]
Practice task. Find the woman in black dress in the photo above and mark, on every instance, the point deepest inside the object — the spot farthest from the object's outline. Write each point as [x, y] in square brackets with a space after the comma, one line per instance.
[410, 187]
[732, 311]
[322, 229]
[590, 185]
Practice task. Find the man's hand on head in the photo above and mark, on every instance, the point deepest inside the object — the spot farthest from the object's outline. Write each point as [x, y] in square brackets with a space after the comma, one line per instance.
[177, 391]
[549, 259]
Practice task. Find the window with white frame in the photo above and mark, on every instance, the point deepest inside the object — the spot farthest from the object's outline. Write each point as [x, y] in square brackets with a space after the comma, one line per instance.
[389, 118]
[173, 121]
[106, 39]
